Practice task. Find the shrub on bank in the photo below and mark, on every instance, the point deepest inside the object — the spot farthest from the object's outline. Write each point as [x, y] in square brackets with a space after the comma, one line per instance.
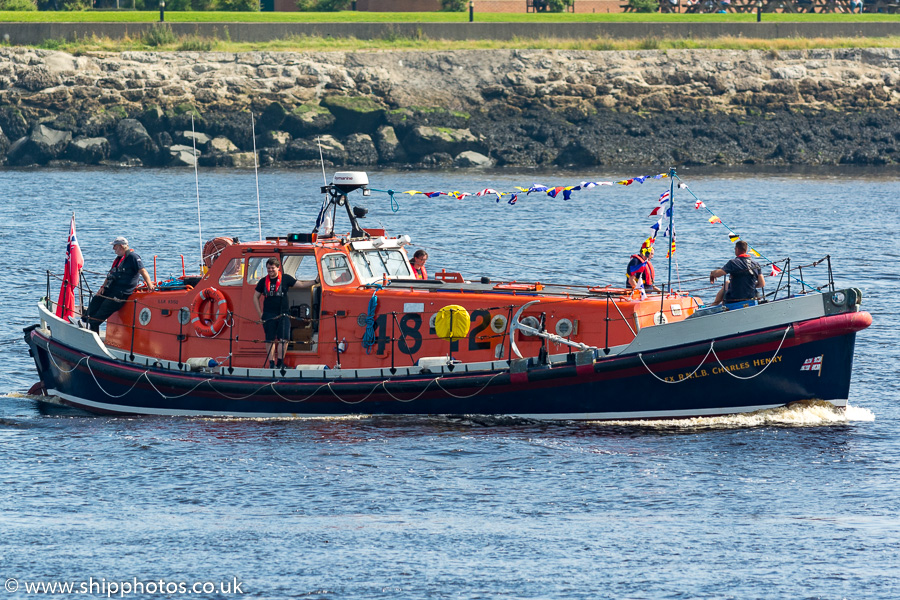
[179, 5]
[322, 5]
[453, 5]
[17, 5]
[159, 34]
[238, 5]
[644, 6]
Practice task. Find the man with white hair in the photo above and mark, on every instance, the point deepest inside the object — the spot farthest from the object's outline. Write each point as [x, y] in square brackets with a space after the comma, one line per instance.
[120, 282]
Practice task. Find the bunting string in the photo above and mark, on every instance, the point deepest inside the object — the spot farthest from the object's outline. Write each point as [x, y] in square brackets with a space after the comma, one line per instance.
[512, 197]
[662, 210]
[733, 236]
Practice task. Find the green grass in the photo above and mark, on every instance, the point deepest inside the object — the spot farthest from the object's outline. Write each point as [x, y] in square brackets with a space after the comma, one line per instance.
[422, 17]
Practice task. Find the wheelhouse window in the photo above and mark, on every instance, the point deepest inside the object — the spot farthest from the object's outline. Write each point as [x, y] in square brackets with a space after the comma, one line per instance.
[301, 266]
[256, 269]
[336, 270]
[374, 264]
[233, 274]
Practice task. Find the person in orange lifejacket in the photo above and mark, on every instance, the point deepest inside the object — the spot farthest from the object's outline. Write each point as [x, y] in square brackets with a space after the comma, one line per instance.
[640, 271]
[270, 298]
[418, 264]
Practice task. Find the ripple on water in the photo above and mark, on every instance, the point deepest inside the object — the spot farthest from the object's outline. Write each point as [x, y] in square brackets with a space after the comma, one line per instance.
[799, 502]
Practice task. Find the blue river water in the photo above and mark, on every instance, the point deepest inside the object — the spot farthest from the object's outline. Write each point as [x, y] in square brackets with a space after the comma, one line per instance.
[797, 503]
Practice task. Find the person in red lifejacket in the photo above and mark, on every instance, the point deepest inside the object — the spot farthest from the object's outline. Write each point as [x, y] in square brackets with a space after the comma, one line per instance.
[746, 276]
[120, 282]
[418, 264]
[640, 272]
[272, 305]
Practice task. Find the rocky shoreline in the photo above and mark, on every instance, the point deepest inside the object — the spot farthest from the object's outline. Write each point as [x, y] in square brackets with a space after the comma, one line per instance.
[473, 108]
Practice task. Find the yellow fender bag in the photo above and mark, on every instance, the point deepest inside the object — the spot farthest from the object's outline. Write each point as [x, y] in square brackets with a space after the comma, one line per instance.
[452, 323]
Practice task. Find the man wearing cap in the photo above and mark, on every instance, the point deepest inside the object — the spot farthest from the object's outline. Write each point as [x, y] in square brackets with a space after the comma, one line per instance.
[119, 284]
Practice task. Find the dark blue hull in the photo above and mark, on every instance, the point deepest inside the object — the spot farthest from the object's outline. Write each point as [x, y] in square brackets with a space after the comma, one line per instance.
[740, 373]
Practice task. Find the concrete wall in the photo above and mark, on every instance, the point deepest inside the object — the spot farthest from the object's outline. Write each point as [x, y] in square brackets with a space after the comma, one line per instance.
[33, 33]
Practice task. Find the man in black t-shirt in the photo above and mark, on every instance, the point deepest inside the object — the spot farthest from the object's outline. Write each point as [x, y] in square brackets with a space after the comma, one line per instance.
[120, 282]
[271, 301]
[746, 276]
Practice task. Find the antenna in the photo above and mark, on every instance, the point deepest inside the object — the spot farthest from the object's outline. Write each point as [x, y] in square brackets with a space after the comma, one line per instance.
[256, 170]
[671, 224]
[197, 184]
[321, 160]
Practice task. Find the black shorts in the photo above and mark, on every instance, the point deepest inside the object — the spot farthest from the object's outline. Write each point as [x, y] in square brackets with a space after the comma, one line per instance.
[277, 327]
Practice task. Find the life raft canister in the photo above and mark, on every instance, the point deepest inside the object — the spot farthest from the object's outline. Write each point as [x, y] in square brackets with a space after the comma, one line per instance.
[452, 323]
[220, 304]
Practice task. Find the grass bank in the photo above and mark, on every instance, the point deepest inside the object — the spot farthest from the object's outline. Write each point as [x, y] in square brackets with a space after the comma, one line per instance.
[424, 17]
[325, 44]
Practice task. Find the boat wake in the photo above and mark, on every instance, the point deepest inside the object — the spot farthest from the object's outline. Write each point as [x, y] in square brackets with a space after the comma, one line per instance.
[809, 413]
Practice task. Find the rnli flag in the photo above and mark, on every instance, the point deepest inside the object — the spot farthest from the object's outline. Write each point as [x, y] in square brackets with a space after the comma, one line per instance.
[813, 364]
[74, 264]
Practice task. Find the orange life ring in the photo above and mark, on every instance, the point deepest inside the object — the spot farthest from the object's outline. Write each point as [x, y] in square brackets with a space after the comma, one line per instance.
[217, 324]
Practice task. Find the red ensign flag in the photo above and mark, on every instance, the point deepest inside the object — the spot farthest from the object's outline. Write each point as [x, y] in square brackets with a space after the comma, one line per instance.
[74, 263]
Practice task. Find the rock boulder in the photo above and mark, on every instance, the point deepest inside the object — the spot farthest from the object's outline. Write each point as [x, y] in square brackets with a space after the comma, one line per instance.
[89, 151]
[308, 120]
[46, 144]
[424, 140]
[134, 140]
[355, 113]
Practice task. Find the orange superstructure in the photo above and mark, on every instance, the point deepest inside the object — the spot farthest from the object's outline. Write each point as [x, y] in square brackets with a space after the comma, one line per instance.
[215, 318]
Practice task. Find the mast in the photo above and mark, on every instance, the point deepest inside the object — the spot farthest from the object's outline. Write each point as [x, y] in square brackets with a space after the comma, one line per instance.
[671, 224]
[256, 170]
[197, 185]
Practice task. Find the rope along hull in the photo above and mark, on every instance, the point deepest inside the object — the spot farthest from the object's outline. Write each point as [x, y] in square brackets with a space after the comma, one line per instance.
[731, 374]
